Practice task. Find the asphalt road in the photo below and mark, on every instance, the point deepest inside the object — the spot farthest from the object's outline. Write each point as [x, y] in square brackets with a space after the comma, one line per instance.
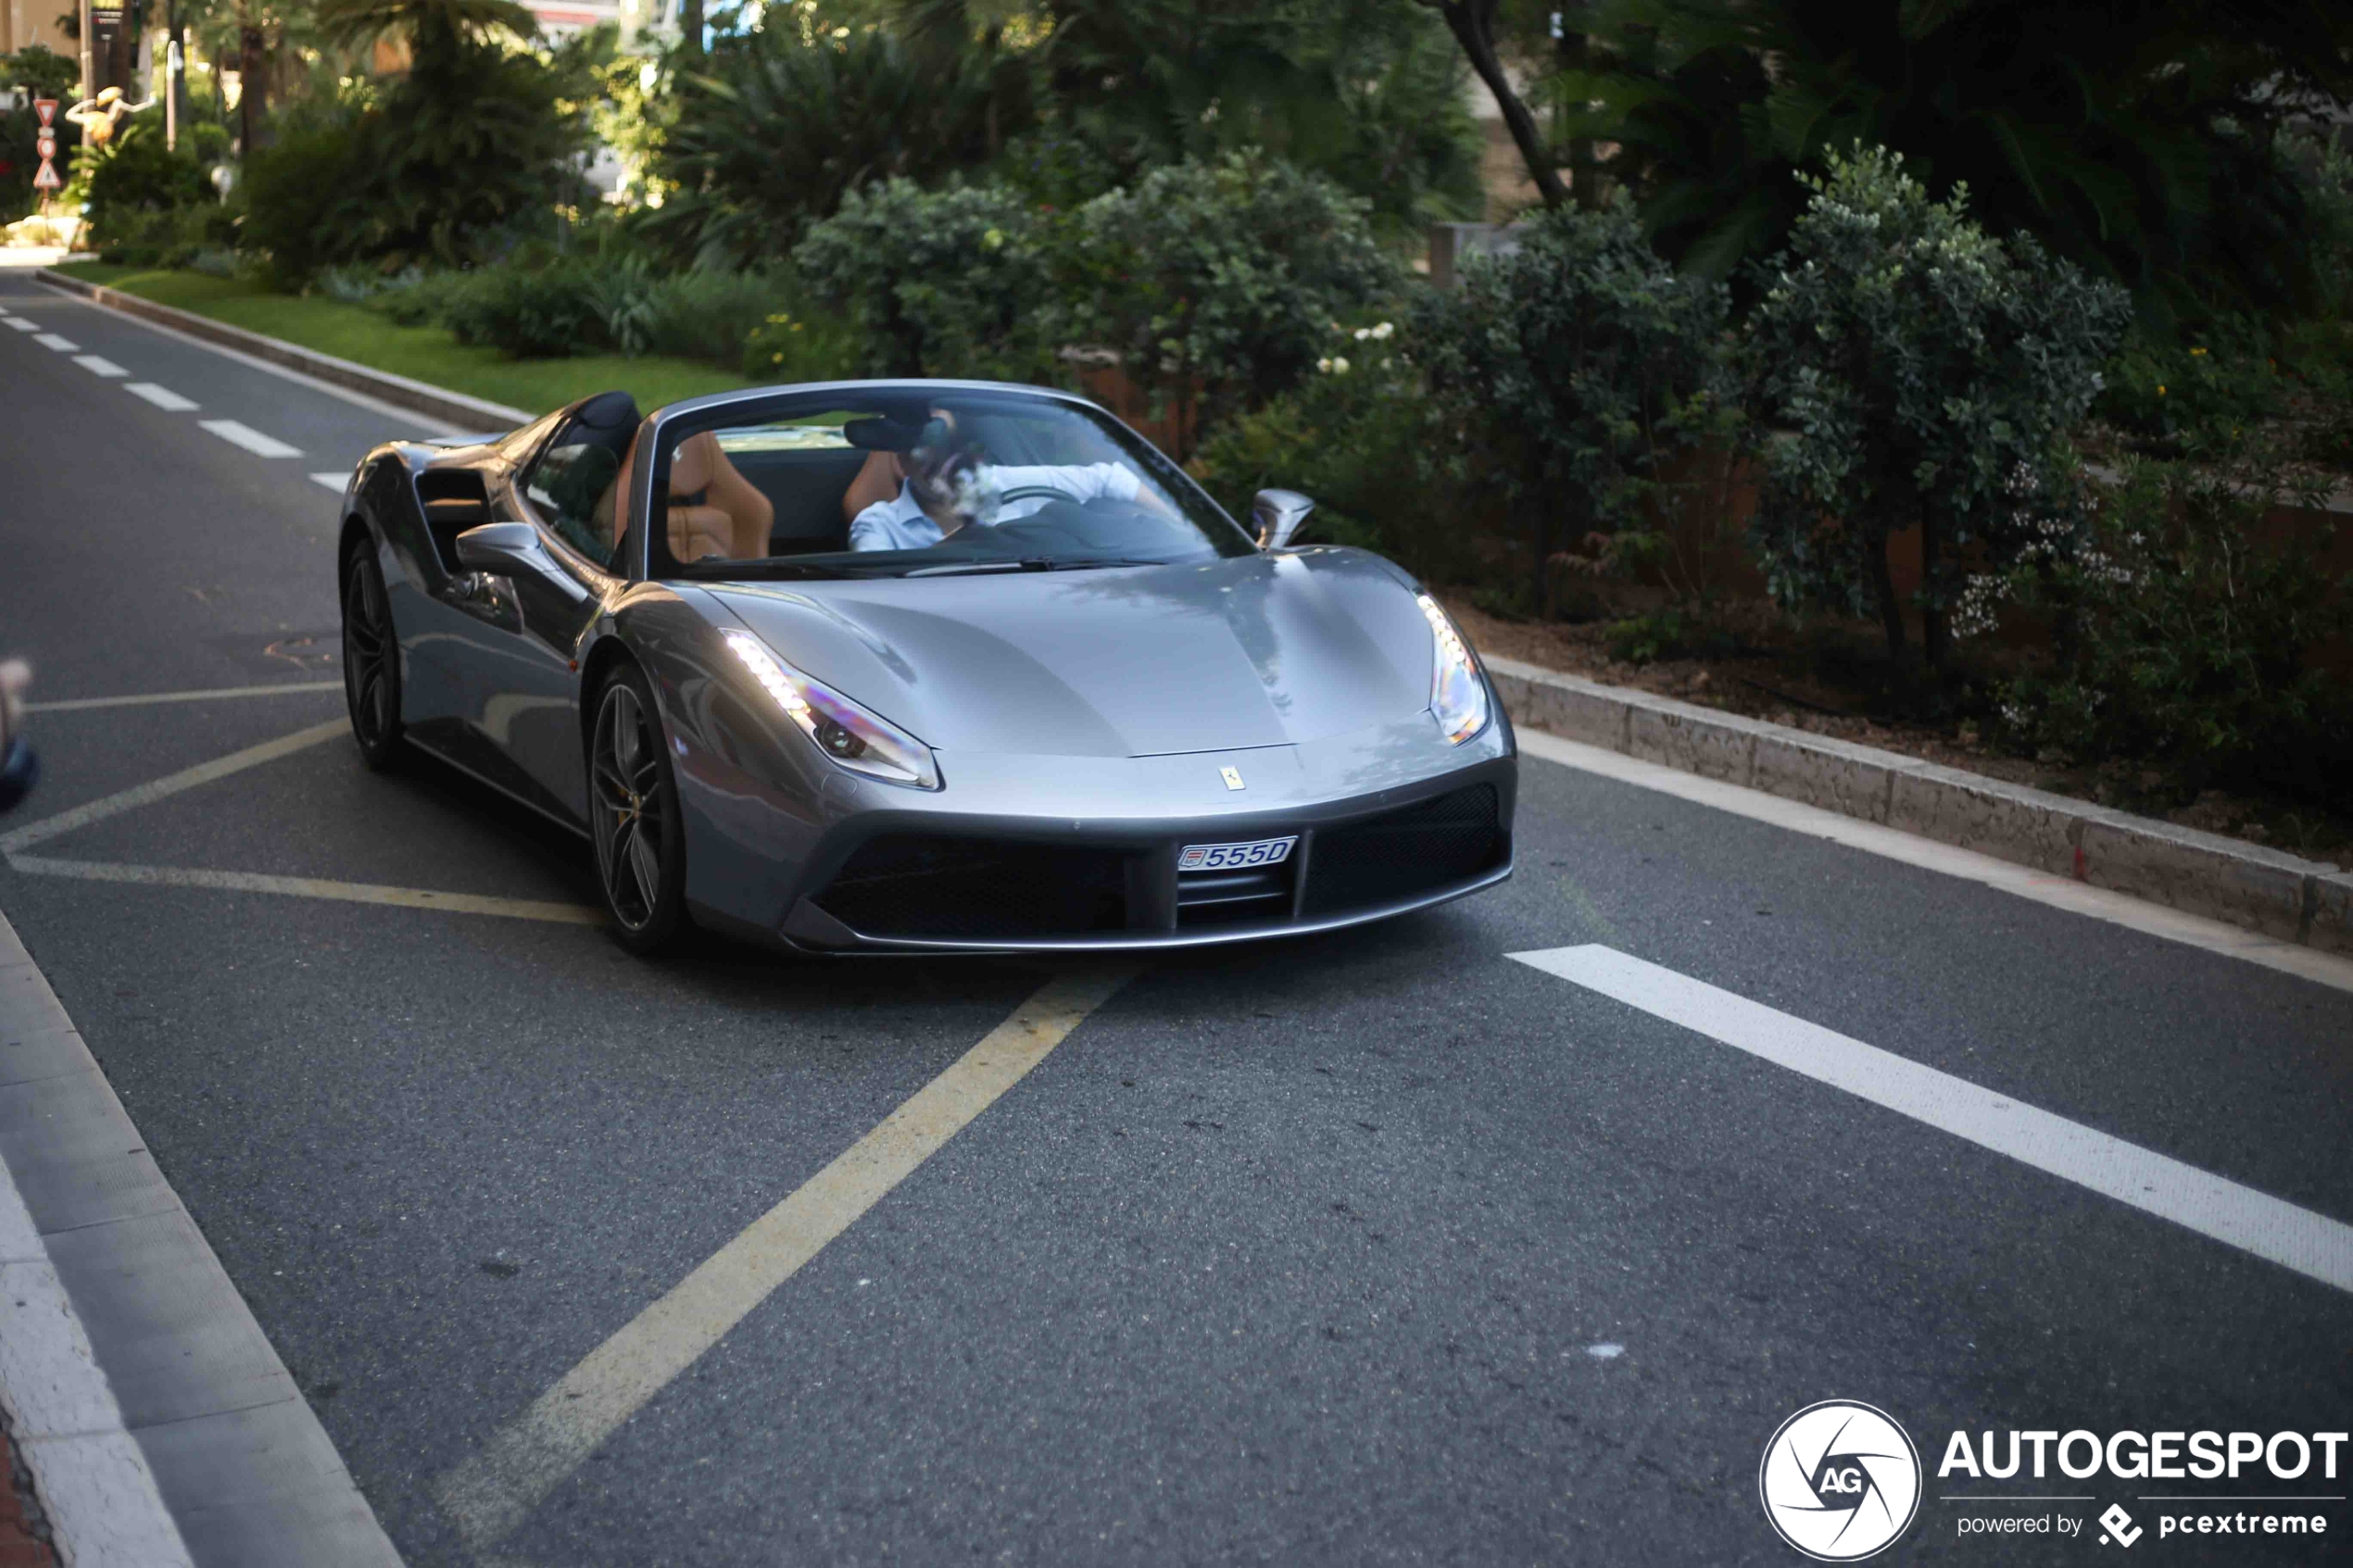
[1313, 1252]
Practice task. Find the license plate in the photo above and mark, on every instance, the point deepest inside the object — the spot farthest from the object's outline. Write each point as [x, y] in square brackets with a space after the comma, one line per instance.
[1232, 856]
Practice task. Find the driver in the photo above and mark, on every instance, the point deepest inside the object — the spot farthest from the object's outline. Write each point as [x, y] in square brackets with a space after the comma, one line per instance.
[943, 485]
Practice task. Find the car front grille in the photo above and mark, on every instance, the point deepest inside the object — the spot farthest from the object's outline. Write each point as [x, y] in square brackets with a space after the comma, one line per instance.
[1418, 849]
[919, 884]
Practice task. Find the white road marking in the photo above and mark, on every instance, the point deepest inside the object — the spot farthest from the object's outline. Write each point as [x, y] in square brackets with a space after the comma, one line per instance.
[334, 482]
[2058, 892]
[22, 324]
[252, 440]
[141, 699]
[2312, 1245]
[162, 397]
[114, 805]
[99, 366]
[309, 887]
[62, 344]
[406, 418]
[492, 1493]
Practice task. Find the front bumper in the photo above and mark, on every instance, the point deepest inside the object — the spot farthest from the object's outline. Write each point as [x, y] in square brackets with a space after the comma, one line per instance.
[1026, 853]
[1121, 889]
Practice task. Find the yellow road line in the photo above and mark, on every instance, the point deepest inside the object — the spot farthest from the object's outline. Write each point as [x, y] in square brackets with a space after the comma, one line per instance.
[309, 887]
[146, 793]
[493, 1492]
[84, 704]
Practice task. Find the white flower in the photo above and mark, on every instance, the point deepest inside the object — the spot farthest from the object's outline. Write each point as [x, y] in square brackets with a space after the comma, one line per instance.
[1339, 365]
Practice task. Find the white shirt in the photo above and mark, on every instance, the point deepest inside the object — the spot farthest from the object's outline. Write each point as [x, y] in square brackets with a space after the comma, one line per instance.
[900, 524]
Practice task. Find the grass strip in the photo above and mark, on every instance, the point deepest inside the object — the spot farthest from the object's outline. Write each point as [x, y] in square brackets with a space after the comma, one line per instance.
[425, 353]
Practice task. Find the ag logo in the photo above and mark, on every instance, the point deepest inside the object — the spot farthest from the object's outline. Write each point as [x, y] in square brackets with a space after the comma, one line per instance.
[1840, 1481]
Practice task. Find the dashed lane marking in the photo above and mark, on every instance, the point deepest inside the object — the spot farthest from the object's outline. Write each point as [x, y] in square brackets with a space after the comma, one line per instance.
[62, 344]
[162, 397]
[252, 440]
[22, 325]
[334, 482]
[2278, 1232]
[493, 1492]
[98, 365]
[310, 887]
[142, 700]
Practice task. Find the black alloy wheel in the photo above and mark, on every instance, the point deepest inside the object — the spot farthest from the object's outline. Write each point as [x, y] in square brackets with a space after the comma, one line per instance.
[371, 660]
[633, 806]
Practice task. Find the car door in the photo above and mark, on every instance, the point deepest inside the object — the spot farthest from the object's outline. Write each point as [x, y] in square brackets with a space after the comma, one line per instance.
[525, 684]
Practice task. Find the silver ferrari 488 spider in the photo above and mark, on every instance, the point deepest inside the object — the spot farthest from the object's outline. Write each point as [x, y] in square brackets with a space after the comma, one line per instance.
[907, 665]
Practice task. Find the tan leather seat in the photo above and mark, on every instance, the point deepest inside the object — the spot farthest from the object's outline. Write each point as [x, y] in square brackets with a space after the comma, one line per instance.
[733, 516]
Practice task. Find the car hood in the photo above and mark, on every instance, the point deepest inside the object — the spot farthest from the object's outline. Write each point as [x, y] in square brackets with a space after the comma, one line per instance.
[1249, 651]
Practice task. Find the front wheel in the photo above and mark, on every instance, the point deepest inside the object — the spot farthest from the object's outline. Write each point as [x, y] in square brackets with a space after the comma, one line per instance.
[633, 809]
[371, 661]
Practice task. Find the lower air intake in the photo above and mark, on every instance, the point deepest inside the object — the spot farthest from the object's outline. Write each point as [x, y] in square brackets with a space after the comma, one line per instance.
[921, 885]
[1418, 849]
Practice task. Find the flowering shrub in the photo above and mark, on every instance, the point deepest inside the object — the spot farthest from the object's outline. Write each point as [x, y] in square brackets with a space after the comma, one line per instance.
[1221, 279]
[1913, 364]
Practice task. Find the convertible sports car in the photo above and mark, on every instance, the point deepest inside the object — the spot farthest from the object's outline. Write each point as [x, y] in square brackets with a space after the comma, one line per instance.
[918, 666]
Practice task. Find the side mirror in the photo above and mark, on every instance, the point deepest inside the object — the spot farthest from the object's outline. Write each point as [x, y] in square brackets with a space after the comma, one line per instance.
[1279, 514]
[502, 548]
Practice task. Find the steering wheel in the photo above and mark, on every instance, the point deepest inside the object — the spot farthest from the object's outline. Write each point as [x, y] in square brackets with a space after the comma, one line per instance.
[1036, 493]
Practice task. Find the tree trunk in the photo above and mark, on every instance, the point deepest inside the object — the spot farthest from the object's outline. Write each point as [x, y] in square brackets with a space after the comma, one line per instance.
[690, 27]
[1932, 629]
[253, 78]
[1574, 52]
[1891, 613]
[1473, 24]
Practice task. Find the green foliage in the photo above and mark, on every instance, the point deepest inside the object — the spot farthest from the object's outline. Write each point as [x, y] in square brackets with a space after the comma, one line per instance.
[537, 304]
[782, 124]
[474, 141]
[1923, 373]
[2175, 397]
[2140, 141]
[798, 342]
[1365, 441]
[1367, 93]
[42, 72]
[937, 283]
[2185, 637]
[1583, 368]
[134, 182]
[1222, 280]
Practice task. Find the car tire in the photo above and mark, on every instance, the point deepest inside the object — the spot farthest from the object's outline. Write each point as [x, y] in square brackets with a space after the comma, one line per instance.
[632, 817]
[371, 660]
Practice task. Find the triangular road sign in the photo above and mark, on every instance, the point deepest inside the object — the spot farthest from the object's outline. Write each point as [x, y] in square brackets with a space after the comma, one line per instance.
[46, 179]
[47, 109]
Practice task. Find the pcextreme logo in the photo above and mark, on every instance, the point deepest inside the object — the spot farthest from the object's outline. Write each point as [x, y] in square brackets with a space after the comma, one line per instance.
[1840, 1481]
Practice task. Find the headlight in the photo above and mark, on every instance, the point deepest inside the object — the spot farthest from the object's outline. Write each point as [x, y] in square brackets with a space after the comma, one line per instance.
[1457, 696]
[857, 739]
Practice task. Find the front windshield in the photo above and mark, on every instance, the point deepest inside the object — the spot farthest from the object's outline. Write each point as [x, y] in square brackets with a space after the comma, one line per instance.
[928, 482]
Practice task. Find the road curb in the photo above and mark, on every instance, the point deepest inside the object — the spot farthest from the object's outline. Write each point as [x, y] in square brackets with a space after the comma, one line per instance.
[159, 1422]
[436, 402]
[2202, 873]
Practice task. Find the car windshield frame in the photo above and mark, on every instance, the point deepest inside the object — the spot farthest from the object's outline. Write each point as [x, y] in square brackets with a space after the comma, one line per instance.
[965, 553]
